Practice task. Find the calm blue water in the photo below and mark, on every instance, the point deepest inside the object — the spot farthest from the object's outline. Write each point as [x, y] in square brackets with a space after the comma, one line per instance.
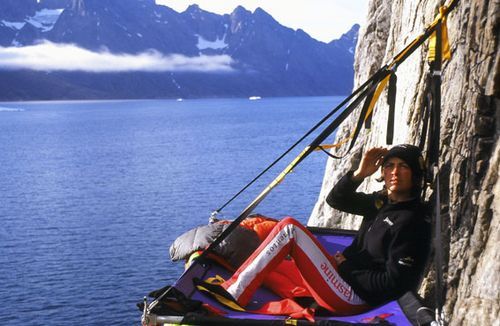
[93, 193]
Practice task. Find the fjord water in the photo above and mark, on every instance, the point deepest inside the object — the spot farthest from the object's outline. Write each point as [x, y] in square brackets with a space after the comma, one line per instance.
[93, 193]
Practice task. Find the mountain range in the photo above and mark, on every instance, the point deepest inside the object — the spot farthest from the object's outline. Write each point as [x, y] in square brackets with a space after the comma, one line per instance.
[253, 54]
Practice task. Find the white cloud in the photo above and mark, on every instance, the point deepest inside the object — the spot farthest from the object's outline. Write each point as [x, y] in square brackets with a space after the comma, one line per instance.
[48, 56]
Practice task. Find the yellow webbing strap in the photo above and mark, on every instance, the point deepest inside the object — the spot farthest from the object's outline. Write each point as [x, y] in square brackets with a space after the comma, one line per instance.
[224, 301]
[336, 145]
[217, 279]
[287, 170]
[446, 55]
[376, 95]
[405, 50]
[221, 299]
[445, 45]
[191, 258]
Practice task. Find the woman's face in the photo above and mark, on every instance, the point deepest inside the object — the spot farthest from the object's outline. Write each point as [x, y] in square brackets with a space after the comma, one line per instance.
[398, 178]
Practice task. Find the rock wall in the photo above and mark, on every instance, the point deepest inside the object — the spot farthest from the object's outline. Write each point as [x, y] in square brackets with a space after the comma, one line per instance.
[470, 151]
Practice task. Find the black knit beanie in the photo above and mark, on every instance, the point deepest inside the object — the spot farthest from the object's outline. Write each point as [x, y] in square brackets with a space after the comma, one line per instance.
[412, 155]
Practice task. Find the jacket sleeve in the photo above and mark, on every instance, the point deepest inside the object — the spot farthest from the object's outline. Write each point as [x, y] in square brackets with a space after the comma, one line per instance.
[344, 197]
[401, 272]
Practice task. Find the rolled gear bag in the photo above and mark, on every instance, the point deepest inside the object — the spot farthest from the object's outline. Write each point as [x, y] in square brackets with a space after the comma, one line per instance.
[235, 248]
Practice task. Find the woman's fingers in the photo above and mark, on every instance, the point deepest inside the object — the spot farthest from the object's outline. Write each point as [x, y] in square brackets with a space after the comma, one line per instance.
[375, 155]
[377, 151]
[371, 161]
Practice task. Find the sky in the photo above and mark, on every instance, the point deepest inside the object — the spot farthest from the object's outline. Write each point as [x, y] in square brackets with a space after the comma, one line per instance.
[324, 20]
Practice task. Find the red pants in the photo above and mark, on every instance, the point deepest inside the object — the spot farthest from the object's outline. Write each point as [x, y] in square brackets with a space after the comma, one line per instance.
[316, 266]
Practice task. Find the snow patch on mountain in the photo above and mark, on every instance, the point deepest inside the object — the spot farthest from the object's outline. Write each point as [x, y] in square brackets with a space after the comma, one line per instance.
[204, 44]
[45, 19]
[13, 25]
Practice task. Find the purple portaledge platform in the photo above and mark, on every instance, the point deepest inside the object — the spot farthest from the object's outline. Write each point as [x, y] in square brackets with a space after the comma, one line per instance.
[332, 242]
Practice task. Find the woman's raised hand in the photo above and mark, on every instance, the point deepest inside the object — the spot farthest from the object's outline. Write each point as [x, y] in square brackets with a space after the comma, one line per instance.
[370, 163]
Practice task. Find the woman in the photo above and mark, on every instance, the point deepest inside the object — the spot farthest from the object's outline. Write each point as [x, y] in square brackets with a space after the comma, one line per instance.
[386, 258]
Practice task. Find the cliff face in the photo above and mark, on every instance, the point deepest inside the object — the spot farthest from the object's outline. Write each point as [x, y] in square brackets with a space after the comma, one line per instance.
[470, 151]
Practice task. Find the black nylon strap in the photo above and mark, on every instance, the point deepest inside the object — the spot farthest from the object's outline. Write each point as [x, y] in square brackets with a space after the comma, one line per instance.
[434, 161]
[391, 101]
[425, 112]
[314, 144]
[438, 246]
[336, 123]
[329, 154]
[362, 115]
[374, 77]
[361, 118]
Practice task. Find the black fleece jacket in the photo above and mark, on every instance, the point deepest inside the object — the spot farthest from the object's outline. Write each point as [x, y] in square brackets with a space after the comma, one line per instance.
[388, 255]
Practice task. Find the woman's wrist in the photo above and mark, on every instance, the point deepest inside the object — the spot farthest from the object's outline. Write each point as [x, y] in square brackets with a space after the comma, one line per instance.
[357, 177]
